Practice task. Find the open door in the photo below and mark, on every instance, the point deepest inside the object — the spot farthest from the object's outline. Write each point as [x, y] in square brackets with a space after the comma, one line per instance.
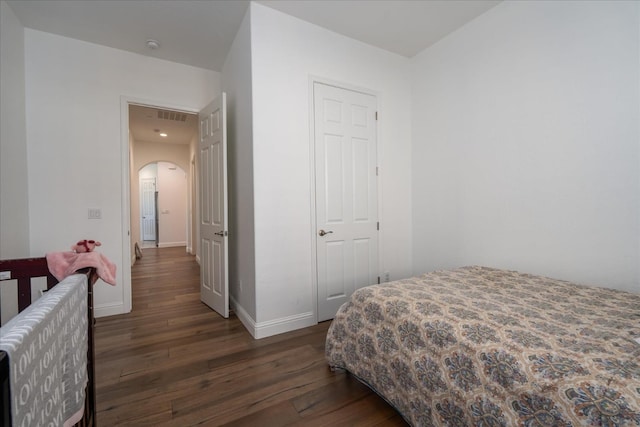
[214, 271]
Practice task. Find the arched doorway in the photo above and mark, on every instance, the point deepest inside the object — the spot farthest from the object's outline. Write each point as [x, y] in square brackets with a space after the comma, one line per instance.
[163, 190]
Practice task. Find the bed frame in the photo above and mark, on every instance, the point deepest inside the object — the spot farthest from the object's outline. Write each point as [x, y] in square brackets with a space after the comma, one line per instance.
[22, 271]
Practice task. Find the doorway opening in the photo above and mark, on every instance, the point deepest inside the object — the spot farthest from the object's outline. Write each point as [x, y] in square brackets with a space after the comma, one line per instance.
[162, 144]
[206, 196]
[163, 214]
[166, 137]
[149, 222]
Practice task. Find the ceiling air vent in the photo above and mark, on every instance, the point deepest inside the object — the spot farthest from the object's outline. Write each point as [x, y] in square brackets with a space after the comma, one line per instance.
[172, 115]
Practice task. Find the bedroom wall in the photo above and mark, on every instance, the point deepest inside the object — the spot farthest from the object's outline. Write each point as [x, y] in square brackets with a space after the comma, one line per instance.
[526, 143]
[73, 94]
[236, 82]
[14, 202]
[286, 54]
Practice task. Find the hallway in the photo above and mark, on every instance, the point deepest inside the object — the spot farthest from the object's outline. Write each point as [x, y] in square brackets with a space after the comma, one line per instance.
[172, 361]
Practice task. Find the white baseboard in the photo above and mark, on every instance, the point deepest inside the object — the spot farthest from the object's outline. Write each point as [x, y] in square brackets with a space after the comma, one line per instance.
[243, 316]
[284, 324]
[108, 310]
[171, 244]
[272, 327]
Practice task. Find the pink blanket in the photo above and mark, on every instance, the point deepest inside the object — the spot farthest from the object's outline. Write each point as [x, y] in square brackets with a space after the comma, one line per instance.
[63, 264]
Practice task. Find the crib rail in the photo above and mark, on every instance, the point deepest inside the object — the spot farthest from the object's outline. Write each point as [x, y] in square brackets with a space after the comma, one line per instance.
[22, 271]
[5, 417]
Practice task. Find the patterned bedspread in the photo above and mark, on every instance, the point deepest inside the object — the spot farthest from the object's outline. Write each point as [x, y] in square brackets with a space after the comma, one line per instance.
[486, 347]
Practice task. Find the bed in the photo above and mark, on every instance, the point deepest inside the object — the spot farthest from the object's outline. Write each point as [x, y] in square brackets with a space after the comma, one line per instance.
[22, 271]
[487, 347]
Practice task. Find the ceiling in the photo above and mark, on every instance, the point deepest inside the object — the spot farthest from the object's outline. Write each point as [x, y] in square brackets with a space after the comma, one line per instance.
[197, 33]
[146, 124]
[200, 32]
[405, 27]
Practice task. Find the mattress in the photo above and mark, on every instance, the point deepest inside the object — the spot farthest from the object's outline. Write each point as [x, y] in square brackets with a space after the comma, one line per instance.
[487, 347]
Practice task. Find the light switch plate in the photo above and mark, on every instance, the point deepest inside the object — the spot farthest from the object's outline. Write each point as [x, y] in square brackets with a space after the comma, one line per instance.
[95, 213]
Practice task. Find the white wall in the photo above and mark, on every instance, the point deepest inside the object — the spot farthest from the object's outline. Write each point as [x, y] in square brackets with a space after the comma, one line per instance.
[73, 93]
[526, 143]
[148, 171]
[286, 53]
[14, 202]
[236, 82]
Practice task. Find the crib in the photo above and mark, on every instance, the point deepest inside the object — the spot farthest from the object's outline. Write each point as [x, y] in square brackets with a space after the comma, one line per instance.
[22, 271]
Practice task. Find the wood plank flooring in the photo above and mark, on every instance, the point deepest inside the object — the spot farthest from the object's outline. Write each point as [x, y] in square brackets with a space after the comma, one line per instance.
[174, 362]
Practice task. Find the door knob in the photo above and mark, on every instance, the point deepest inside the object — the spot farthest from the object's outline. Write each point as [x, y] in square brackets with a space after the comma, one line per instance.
[322, 232]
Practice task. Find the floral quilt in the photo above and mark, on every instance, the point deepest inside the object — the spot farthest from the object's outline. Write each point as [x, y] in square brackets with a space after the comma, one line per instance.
[485, 347]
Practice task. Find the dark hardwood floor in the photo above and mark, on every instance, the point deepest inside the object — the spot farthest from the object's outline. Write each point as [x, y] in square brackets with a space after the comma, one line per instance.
[172, 361]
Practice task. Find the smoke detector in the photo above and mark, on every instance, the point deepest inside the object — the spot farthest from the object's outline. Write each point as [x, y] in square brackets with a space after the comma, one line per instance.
[153, 44]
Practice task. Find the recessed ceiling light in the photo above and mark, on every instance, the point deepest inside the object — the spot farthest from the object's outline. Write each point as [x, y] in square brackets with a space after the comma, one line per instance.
[153, 44]
[164, 135]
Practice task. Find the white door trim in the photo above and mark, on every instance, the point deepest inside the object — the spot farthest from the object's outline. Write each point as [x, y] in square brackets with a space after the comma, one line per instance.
[312, 167]
[125, 164]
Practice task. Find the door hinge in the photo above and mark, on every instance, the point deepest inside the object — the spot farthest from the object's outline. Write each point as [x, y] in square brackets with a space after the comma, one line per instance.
[377, 170]
[378, 280]
[378, 225]
[376, 115]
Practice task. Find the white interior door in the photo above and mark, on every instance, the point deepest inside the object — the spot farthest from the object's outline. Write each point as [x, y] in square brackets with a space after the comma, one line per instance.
[214, 272]
[148, 208]
[346, 194]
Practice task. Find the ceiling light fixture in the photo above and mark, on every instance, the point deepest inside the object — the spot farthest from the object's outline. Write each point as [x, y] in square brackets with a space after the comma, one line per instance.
[153, 44]
[164, 135]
